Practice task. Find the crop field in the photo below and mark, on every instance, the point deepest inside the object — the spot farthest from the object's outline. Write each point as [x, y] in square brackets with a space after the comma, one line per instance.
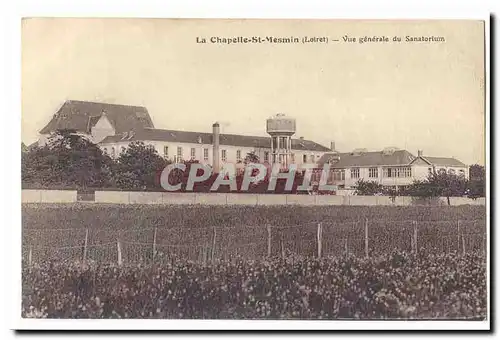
[298, 262]
[202, 233]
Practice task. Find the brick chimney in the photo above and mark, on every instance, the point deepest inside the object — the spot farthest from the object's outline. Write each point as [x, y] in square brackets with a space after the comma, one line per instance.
[215, 141]
[332, 145]
[420, 153]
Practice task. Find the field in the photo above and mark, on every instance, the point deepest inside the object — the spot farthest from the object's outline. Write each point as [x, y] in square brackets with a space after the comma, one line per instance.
[253, 262]
[201, 232]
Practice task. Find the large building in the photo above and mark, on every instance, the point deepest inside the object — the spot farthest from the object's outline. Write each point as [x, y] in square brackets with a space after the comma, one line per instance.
[390, 167]
[113, 127]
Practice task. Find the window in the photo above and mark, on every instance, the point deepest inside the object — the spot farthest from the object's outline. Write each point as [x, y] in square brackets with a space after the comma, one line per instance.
[339, 175]
[113, 152]
[122, 149]
[312, 158]
[205, 154]
[105, 151]
[193, 153]
[387, 172]
[274, 142]
[224, 155]
[238, 155]
[283, 142]
[304, 159]
[355, 173]
[266, 156]
[179, 154]
[407, 172]
[401, 172]
[373, 172]
[165, 151]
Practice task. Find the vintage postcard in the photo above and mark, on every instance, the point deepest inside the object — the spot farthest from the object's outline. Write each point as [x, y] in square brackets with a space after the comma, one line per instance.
[249, 170]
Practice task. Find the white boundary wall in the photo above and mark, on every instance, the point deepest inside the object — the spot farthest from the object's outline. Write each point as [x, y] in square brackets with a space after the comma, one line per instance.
[136, 197]
[48, 196]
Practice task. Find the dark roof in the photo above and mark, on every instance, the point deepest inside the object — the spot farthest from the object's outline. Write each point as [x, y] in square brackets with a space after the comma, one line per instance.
[375, 158]
[206, 138]
[444, 161]
[82, 116]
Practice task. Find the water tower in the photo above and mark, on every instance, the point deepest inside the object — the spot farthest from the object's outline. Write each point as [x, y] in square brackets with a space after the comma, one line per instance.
[281, 129]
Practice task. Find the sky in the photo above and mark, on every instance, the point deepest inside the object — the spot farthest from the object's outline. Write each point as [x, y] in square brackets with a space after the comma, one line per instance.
[416, 96]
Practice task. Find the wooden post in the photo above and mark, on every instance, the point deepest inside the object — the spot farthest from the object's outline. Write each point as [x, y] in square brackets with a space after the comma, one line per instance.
[30, 256]
[458, 235]
[268, 240]
[282, 243]
[463, 243]
[85, 245]
[213, 243]
[119, 247]
[154, 244]
[415, 237]
[320, 237]
[366, 238]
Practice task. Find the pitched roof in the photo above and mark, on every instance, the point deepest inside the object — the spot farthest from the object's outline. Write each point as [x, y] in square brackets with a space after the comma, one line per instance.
[444, 161]
[206, 138]
[371, 158]
[83, 115]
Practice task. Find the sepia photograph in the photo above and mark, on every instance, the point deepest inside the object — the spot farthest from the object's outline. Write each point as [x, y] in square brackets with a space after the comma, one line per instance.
[254, 169]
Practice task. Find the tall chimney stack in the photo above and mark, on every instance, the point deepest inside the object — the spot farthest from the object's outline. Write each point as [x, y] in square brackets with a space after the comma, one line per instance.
[332, 145]
[215, 141]
[420, 153]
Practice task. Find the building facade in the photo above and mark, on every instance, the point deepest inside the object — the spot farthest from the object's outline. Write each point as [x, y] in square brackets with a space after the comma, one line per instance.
[391, 167]
[113, 127]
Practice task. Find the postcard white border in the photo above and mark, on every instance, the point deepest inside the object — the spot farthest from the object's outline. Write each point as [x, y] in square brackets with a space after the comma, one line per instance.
[214, 9]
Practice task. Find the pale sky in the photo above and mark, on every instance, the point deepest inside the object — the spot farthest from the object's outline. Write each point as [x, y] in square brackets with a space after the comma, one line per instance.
[425, 95]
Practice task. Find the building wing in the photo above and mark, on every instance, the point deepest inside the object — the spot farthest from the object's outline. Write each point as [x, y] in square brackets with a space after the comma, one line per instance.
[366, 159]
[83, 115]
[193, 137]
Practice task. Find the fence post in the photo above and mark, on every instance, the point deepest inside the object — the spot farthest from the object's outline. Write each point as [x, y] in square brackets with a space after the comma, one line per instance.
[463, 243]
[30, 256]
[415, 237]
[282, 246]
[213, 243]
[154, 244]
[268, 240]
[85, 245]
[458, 236]
[320, 239]
[119, 247]
[366, 237]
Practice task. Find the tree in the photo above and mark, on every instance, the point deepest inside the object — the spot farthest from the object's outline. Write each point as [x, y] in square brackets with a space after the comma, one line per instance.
[251, 157]
[440, 183]
[139, 167]
[367, 188]
[477, 181]
[68, 159]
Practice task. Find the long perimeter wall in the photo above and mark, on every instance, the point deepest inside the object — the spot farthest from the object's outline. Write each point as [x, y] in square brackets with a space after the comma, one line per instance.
[133, 197]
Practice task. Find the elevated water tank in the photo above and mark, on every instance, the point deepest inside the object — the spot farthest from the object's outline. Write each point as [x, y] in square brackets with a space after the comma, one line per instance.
[280, 125]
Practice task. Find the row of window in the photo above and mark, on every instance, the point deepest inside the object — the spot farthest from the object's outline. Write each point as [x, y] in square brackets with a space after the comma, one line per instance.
[399, 172]
[179, 155]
